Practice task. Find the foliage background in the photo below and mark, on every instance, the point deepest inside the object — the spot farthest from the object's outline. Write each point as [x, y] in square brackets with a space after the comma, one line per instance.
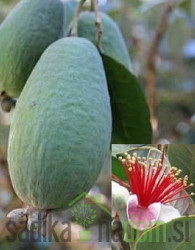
[174, 61]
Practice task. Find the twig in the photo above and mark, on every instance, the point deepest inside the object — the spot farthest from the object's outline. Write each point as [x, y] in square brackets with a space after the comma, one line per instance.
[150, 64]
[94, 5]
[74, 31]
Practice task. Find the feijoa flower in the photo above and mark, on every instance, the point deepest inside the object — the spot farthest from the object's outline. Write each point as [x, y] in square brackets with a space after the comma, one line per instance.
[152, 188]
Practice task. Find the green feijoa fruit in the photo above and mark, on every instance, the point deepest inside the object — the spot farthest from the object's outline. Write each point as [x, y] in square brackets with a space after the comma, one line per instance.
[61, 128]
[24, 35]
[112, 40]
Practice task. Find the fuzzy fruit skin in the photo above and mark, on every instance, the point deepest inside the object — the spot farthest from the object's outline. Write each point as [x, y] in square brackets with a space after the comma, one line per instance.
[61, 128]
[112, 41]
[24, 35]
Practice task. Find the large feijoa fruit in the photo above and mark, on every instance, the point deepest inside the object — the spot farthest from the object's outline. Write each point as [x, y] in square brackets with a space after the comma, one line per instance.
[26, 32]
[61, 128]
[112, 40]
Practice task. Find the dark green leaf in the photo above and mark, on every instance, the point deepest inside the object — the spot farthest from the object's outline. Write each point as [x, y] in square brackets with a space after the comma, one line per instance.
[131, 119]
[117, 169]
[182, 156]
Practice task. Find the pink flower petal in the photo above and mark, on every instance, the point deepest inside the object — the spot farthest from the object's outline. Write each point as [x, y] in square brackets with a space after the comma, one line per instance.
[142, 218]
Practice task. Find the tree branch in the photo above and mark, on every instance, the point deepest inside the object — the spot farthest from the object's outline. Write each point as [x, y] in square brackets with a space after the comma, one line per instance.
[74, 31]
[150, 64]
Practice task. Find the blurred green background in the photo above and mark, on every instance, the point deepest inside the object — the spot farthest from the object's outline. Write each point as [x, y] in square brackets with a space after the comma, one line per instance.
[174, 60]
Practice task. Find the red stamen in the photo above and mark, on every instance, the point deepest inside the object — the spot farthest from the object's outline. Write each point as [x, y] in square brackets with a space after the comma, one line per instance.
[153, 183]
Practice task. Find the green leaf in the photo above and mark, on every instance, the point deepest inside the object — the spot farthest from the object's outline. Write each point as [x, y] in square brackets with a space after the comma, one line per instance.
[177, 234]
[131, 119]
[182, 156]
[117, 169]
[7, 2]
[186, 5]
[93, 216]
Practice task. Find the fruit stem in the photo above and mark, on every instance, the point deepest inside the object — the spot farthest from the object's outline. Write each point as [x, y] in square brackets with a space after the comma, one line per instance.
[6, 102]
[31, 218]
[74, 31]
[94, 7]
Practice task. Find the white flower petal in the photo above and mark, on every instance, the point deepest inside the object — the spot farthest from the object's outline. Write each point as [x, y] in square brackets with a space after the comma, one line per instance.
[168, 213]
[120, 196]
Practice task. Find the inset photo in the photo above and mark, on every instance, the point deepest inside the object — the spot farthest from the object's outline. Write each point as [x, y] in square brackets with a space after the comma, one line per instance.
[153, 196]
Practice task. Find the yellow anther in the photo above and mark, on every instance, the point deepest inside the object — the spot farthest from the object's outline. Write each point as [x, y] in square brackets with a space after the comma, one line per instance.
[128, 157]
